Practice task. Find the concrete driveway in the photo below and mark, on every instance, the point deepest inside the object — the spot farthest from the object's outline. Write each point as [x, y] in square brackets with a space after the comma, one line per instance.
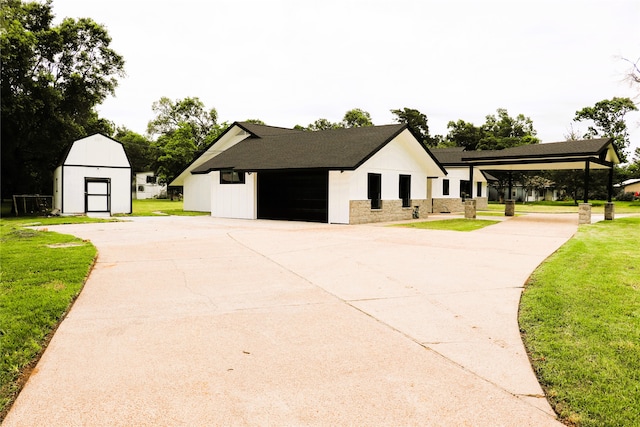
[203, 321]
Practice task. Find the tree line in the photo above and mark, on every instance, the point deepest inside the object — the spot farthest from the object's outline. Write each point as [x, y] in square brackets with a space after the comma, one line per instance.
[54, 77]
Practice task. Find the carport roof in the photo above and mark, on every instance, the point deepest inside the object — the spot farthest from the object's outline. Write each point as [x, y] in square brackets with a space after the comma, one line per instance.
[271, 148]
[601, 153]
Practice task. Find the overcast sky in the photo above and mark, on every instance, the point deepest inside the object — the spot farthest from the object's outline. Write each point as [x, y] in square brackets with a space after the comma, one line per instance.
[290, 62]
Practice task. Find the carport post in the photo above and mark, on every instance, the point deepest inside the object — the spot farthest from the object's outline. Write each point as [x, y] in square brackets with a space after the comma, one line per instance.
[586, 181]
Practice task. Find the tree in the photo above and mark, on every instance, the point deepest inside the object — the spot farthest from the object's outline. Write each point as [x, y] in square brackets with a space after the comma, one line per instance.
[139, 149]
[417, 123]
[171, 115]
[356, 118]
[607, 117]
[465, 134]
[497, 133]
[503, 131]
[53, 77]
[176, 149]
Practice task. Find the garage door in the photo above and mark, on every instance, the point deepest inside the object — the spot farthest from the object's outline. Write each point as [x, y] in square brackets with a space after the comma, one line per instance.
[297, 196]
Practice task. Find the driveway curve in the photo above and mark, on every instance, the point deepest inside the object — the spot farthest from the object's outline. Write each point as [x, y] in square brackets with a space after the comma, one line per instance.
[208, 321]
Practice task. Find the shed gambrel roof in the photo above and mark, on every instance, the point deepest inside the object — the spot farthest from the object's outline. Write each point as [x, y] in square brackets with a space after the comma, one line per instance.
[271, 148]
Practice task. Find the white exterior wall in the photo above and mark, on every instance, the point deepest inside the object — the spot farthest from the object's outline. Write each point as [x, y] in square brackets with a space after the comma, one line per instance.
[399, 157]
[455, 175]
[150, 190]
[197, 192]
[73, 186]
[339, 191]
[97, 150]
[234, 200]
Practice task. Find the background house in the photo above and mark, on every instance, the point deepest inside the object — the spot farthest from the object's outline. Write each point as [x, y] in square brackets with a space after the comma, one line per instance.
[94, 177]
[347, 176]
[146, 186]
[630, 186]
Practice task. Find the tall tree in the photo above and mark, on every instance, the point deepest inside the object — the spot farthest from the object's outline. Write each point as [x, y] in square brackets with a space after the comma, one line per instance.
[183, 128]
[607, 118]
[139, 149]
[356, 118]
[503, 131]
[417, 122]
[53, 77]
[465, 134]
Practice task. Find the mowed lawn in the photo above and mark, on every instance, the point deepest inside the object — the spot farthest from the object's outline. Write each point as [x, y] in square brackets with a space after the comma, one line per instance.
[580, 320]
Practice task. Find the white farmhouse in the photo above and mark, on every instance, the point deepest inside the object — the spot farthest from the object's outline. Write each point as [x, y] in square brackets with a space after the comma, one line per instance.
[344, 176]
[94, 177]
[147, 186]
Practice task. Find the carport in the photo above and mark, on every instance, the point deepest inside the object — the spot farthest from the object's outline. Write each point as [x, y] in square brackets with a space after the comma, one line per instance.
[569, 155]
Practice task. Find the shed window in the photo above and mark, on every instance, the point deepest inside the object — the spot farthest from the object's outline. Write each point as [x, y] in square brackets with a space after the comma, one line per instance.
[445, 187]
[374, 190]
[231, 177]
[405, 190]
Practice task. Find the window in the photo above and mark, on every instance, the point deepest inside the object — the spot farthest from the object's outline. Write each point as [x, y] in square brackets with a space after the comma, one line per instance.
[465, 189]
[478, 189]
[141, 188]
[151, 179]
[374, 190]
[445, 187]
[231, 177]
[405, 190]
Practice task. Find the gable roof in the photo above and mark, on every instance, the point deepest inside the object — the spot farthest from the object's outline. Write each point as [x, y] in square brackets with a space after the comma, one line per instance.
[271, 148]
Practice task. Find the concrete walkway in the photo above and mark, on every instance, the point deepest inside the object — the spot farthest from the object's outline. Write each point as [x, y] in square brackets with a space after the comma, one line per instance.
[203, 321]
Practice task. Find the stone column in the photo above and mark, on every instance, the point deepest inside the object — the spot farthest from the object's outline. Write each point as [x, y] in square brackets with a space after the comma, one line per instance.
[470, 209]
[509, 207]
[609, 211]
[584, 213]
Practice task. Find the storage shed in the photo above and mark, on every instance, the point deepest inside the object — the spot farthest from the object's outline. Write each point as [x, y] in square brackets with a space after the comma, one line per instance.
[93, 177]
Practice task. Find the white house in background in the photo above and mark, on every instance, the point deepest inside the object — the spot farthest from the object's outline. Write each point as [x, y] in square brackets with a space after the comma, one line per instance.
[344, 176]
[450, 192]
[94, 177]
[147, 186]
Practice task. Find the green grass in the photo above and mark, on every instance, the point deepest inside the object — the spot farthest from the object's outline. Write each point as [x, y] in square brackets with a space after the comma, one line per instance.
[450, 224]
[597, 207]
[161, 207]
[38, 284]
[580, 318]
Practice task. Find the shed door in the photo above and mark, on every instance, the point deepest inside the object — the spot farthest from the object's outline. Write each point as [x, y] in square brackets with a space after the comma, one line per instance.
[297, 196]
[97, 195]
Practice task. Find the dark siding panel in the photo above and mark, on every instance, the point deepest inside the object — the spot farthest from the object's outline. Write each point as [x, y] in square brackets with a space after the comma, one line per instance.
[296, 196]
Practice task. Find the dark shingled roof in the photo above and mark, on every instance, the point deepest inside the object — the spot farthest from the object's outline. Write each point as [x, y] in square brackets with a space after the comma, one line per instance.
[271, 148]
[449, 156]
[587, 147]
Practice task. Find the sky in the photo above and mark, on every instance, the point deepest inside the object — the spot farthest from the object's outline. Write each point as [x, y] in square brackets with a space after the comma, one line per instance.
[289, 62]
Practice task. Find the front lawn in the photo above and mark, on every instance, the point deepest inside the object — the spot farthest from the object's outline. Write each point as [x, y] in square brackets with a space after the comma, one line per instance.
[161, 207]
[457, 224]
[41, 275]
[597, 207]
[580, 320]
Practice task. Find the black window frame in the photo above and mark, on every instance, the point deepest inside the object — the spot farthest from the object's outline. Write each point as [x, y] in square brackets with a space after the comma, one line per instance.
[478, 189]
[445, 187]
[404, 190]
[465, 187]
[374, 190]
[237, 177]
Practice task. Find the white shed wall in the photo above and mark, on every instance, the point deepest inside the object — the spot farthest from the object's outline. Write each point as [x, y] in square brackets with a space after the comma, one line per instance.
[234, 200]
[73, 180]
[197, 192]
